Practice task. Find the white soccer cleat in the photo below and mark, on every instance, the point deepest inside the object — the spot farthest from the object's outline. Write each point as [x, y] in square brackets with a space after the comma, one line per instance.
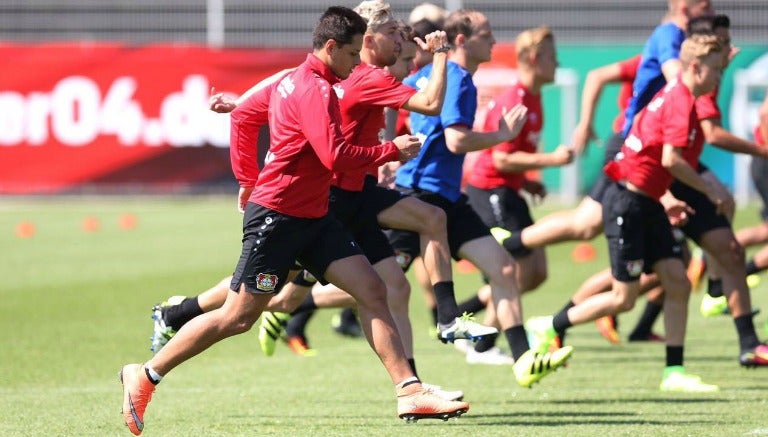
[464, 327]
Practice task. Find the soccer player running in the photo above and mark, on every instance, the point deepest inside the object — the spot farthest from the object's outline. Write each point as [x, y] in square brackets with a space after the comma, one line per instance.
[286, 219]
[435, 177]
[498, 176]
[665, 142]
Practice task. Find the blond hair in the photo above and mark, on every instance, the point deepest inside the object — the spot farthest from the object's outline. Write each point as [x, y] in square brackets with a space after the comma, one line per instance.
[698, 47]
[529, 42]
[375, 13]
[430, 12]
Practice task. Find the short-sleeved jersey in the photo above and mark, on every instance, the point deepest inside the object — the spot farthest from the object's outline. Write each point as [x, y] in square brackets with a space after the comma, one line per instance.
[663, 45]
[670, 118]
[362, 99]
[436, 168]
[485, 175]
[306, 144]
[627, 73]
[707, 107]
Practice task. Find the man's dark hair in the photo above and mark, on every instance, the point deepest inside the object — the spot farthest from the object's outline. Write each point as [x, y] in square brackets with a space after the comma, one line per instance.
[424, 27]
[707, 25]
[339, 24]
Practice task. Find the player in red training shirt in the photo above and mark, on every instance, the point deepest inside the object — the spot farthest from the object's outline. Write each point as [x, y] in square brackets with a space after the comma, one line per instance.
[286, 219]
[665, 143]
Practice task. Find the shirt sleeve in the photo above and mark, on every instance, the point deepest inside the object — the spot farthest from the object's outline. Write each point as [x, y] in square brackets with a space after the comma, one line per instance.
[460, 103]
[706, 106]
[245, 122]
[669, 44]
[385, 91]
[322, 128]
[628, 68]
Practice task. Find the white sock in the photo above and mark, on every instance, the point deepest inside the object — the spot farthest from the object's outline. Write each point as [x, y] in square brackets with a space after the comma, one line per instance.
[407, 381]
[153, 376]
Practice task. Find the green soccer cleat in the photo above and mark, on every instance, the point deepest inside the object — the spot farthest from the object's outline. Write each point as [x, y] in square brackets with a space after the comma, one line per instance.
[541, 333]
[713, 306]
[532, 366]
[500, 234]
[753, 280]
[271, 328]
[162, 332]
[675, 379]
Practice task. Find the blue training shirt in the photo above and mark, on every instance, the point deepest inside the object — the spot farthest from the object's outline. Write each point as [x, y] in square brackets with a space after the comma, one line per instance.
[663, 45]
[437, 169]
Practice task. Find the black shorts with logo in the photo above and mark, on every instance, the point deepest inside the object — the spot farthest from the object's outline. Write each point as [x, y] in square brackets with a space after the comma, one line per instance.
[463, 225]
[638, 231]
[501, 207]
[273, 242]
[706, 217]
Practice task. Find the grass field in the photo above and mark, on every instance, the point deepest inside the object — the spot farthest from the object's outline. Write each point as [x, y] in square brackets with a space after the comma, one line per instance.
[74, 307]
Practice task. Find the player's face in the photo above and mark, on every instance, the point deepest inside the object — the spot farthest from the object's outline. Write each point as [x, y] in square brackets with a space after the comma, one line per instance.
[344, 58]
[386, 44]
[480, 44]
[404, 65]
[728, 49]
[701, 8]
[546, 61]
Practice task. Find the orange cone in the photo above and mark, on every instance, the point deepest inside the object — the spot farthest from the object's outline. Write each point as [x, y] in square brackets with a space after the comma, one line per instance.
[583, 252]
[127, 221]
[25, 229]
[91, 224]
[466, 267]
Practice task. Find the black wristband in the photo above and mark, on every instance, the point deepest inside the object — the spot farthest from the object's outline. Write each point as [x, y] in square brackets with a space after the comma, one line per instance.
[442, 49]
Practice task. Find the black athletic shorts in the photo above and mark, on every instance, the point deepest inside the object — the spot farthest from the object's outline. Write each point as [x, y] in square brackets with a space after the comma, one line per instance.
[273, 242]
[612, 148]
[463, 225]
[638, 233]
[759, 170]
[706, 217]
[503, 208]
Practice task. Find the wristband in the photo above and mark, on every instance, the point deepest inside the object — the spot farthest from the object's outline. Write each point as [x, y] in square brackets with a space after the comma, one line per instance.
[442, 49]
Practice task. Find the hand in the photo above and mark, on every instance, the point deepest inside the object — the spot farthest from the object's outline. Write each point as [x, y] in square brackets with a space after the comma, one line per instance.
[242, 198]
[434, 41]
[536, 189]
[562, 155]
[679, 213]
[512, 121]
[218, 102]
[719, 195]
[408, 145]
[387, 174]
[582, 135]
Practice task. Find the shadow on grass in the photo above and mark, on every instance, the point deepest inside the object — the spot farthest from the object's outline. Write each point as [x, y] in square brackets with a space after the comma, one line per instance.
[479, 420]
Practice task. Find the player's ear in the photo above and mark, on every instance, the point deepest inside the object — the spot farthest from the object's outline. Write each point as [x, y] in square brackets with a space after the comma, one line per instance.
[368, 40]
[329, 46]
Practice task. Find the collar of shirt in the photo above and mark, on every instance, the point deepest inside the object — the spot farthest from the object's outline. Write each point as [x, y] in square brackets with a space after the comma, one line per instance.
[319, 67]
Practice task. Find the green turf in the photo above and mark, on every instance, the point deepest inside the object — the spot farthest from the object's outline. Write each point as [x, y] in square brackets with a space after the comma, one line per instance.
[74, 307]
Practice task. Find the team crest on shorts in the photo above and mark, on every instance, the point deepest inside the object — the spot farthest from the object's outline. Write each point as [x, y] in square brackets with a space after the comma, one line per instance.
[403, 259]
[634, 268]
[266, 282]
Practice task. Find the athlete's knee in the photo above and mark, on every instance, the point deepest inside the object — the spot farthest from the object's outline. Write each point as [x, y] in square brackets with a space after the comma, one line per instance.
[372, 294]
[624, 302]
[586, 231]
[432, 220]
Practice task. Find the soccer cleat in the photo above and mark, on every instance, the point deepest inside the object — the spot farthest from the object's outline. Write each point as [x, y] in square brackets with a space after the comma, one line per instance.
[346, 328]
[271, 328]
[541, 333]
[161, 332]
[713, 306]
[299, 346]
[493, 357]
[532, 366]
[448, 395]
[650, 337]
[500, 234]
[755, 357]
[414, 402]
[137, 392]
[607, 327]
[675, 379]
[464, 327]
[696, 268]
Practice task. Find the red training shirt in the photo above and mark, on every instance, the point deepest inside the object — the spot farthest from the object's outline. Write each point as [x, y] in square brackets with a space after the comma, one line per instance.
[670, 118]
[628, 71]
[485, 175]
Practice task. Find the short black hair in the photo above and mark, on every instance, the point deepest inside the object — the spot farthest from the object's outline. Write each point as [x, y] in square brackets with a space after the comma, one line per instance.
[340, 24]
[707, 25]
[424, 27]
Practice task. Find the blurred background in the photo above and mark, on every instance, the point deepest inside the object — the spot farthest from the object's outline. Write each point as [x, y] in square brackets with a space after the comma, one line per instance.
[111, 97]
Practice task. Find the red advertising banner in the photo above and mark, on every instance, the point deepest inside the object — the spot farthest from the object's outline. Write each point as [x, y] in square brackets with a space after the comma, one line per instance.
[74, 115]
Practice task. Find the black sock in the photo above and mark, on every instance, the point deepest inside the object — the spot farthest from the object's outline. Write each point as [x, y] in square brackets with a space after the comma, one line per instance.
[412, 363]
[486, 343]
[298, 323]
[514, 242]
[306, 305]
[447, 310]
[518, 341]
[647, 319]
[752, 268]
[472, 305]
[348, 317]
[560, 321]
[177, 315]
[715, 287]
[674, 356]
[433, 311]
[745, 328]
[564, 309]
